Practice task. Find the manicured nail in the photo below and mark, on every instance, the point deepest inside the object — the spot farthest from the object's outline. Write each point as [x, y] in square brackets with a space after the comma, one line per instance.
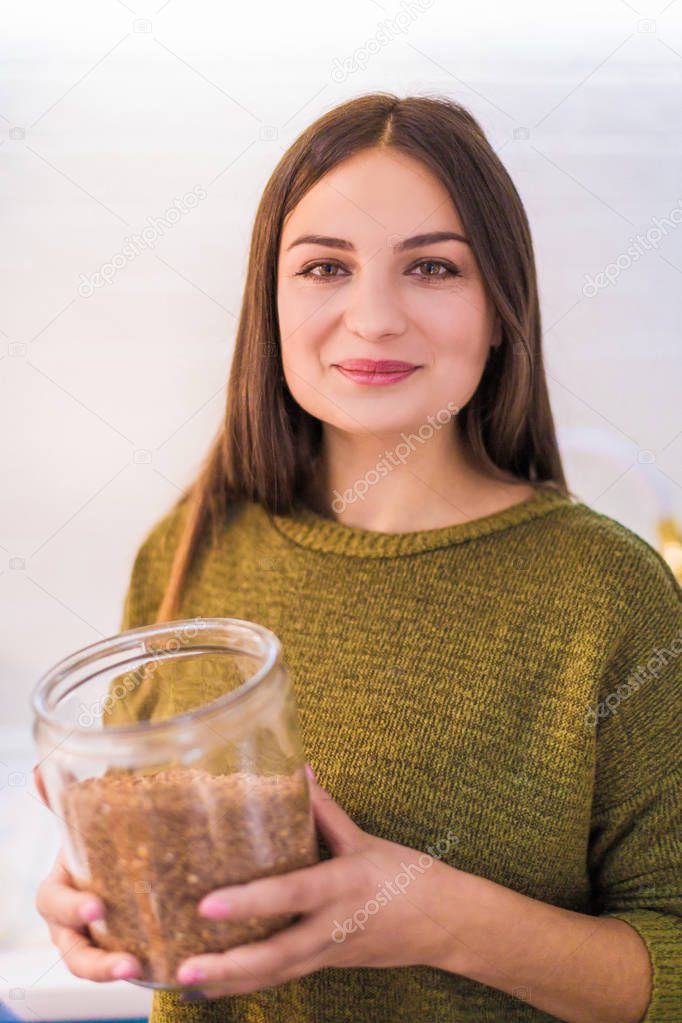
[214, 908]
[123, 970]
[91, 910]
[311, 773]
[190, 974]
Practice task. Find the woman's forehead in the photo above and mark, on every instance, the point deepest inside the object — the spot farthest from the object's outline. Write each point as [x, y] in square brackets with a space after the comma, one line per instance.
[375, 188]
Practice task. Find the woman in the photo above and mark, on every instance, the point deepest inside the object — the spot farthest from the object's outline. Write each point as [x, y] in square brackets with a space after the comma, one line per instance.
[386, 495]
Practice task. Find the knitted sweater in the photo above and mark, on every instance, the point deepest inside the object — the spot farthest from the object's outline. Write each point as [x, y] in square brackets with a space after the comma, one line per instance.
[514, 679]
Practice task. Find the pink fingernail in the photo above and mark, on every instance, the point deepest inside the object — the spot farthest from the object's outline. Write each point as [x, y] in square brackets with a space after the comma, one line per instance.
[190, 974]
[90, 910]
[311, 773]
[126, 968]
[213, 907]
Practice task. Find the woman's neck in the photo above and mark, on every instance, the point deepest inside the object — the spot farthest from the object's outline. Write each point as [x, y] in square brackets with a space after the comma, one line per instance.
[407, 485]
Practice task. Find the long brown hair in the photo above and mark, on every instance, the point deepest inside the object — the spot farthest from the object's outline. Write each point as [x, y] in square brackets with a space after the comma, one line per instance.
[267, 448]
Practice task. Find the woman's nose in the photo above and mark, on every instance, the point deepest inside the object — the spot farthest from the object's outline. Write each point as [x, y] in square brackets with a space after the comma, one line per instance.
[373, 311]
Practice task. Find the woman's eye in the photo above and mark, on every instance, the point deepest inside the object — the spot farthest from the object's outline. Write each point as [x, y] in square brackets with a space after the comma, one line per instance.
[448, 270]
[443, 271]
[308, 272]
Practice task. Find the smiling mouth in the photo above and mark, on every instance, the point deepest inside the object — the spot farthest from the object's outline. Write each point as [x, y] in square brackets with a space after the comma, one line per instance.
[376, 377]
[376, 366]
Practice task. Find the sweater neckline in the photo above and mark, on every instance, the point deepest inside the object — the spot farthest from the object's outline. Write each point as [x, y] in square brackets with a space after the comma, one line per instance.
[308, 528]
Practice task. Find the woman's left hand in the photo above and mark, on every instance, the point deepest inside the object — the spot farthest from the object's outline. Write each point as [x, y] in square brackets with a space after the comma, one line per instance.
[374, 903]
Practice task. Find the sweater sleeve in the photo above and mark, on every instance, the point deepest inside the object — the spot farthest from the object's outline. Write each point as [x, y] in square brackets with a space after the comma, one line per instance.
[635, 845]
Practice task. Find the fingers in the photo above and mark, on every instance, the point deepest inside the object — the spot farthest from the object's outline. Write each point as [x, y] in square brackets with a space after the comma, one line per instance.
[339, 831]
[292, 952]
[67, 911]
[40, 786]
[58, 901]
[298, 891]
[84, 960]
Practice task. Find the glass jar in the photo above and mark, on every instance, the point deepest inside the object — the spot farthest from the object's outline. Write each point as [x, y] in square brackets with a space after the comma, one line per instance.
[172, 756]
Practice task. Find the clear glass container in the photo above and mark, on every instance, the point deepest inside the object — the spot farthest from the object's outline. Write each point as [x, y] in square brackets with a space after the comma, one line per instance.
[172, 756]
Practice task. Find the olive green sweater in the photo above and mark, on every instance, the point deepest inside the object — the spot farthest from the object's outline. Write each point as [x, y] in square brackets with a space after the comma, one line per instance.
[515, 679]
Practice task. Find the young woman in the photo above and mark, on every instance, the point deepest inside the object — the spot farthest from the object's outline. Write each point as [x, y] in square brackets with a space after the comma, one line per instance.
[471, 646]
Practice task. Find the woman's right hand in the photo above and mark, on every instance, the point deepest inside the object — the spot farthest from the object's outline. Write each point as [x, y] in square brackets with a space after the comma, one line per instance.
[67, 911]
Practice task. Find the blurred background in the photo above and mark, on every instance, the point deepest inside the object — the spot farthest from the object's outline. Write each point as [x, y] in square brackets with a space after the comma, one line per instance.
[152, 129]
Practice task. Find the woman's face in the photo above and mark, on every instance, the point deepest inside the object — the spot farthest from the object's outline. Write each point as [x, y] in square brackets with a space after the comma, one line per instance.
[369, 290]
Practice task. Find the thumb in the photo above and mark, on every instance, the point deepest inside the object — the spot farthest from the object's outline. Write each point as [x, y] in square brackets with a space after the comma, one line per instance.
[339, 831]
[40, 785]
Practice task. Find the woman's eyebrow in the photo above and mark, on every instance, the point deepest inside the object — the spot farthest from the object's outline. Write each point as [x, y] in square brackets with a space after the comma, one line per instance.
[415, 242]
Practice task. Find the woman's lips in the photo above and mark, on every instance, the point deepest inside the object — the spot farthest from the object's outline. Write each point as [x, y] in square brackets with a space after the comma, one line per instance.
[377, 365]
[376, 377]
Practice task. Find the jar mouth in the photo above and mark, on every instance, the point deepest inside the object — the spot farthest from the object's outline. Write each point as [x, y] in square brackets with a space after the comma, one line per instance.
[50, 688]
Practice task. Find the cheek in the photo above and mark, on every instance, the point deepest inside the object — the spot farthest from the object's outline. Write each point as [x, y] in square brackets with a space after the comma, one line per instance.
[302, 314]
[456, 327]
[460, 315]
[286, 312]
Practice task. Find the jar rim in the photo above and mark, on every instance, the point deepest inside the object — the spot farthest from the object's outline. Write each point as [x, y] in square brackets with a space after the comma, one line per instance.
[121, 641]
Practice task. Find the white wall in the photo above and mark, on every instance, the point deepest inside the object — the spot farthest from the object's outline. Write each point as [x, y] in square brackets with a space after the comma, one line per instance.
[106, 118]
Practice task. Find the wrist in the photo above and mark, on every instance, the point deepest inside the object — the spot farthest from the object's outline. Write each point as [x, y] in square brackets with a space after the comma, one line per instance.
[456, 892]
